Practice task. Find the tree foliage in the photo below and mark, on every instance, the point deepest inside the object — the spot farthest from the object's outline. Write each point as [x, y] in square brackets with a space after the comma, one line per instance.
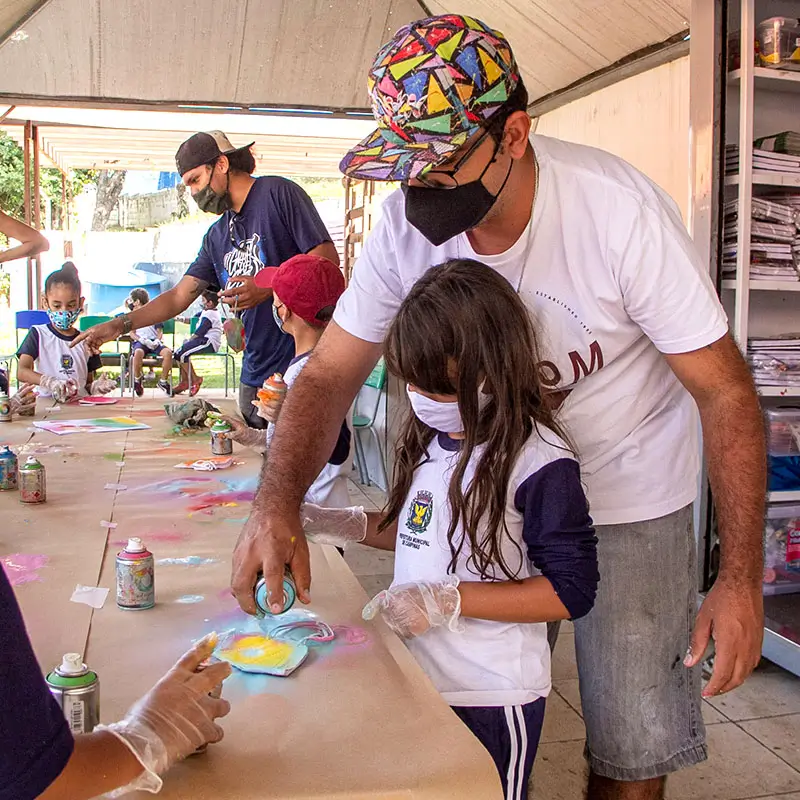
[12, 182]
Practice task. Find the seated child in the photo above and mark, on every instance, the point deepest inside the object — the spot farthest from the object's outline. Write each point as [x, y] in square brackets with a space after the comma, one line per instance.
[206, 339]
[305, 290]
[147, 342]
[45, 356]
[486, 514]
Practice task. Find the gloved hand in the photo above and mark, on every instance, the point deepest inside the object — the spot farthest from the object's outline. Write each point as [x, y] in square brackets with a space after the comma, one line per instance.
[411, 609]
[174, 718]
[62, 391]
[24, 401]
[244, 434]
[334, 526]
[150, 344]
[269, 410]
[102, 386]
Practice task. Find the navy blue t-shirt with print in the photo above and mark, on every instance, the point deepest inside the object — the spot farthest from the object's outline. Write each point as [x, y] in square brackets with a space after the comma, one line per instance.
[277, 221]
[35, 742]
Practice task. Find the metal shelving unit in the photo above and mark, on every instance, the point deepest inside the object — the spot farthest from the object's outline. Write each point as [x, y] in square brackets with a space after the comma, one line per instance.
[744, 105]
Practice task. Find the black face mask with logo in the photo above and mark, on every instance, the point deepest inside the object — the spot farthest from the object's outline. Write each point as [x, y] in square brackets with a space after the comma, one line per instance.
[441, 214]
[212, 203]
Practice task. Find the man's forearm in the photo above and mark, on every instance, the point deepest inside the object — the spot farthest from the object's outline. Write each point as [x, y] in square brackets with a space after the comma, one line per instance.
[311, 417]
[162, 308]
[733, 433]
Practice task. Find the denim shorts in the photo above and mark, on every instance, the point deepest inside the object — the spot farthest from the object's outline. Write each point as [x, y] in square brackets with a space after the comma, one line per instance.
[641, 706]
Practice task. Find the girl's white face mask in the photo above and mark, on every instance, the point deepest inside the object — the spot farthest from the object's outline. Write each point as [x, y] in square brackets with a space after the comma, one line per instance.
[444, 417]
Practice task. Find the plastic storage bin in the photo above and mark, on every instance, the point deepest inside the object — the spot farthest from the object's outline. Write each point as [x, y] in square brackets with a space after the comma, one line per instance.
[783, 447]
[782, 548]
[779, 43]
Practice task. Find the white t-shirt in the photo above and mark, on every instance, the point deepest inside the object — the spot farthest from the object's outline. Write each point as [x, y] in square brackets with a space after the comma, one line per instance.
[613, 281]
[214, 334]
[329, 489]
[50, 349]
[150, 333]
[497, 663]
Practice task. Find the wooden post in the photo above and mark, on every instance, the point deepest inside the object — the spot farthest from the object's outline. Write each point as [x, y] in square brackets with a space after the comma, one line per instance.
[26, 164]
[37, 210]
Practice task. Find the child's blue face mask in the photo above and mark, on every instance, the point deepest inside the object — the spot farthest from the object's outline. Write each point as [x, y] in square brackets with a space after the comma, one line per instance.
[63, 319]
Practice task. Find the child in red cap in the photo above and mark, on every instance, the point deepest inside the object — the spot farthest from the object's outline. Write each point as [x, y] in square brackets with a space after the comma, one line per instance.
[305, 290]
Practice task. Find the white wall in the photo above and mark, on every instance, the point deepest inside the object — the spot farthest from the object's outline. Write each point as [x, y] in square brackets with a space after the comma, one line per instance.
[643, 119]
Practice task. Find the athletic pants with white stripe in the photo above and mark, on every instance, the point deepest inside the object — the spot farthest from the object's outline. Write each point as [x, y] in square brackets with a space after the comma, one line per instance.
[511, 735]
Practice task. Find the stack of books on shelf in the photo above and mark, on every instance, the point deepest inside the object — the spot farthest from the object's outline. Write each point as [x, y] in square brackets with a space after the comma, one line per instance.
[763, 161]
[773, 235]
[775, 361]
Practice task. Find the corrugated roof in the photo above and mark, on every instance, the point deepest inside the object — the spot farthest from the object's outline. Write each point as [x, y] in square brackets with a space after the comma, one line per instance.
[305, 53]
[112, 139]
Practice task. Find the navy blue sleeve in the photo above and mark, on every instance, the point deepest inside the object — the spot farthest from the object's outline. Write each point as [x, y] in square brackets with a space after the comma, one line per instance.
[559, 533]
[94, 363]
[300, 216]
[342, 449]
[202, 267]
[30, 345]
[203, 328]
[35, 741]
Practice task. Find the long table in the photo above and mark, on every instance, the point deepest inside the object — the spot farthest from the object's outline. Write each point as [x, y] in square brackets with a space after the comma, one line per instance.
[358, 719]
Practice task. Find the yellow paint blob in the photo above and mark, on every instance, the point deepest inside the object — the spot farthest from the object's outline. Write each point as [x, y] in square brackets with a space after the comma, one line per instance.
[257, 650]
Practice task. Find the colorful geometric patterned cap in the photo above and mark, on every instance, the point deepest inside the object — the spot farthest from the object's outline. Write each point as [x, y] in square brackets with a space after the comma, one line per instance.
[431, 87]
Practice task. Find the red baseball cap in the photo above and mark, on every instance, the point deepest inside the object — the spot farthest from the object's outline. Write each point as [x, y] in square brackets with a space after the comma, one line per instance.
[306, 284]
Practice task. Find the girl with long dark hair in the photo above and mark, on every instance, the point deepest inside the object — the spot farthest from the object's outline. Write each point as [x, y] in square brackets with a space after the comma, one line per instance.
[486, 512]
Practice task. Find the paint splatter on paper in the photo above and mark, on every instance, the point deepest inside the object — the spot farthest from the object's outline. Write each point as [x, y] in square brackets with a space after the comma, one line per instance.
[23, 567]
[186, 561]
[256, 653]
[189, 599]
[98, 425]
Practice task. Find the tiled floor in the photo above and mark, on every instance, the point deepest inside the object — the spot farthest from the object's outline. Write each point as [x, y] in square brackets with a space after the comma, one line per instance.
[753, 732]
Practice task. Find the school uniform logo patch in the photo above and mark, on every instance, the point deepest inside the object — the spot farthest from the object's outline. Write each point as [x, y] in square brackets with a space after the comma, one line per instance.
[67, 361]
[420, 512]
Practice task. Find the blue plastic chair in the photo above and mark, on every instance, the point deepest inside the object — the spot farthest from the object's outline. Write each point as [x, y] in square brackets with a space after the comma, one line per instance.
[366, 422]
[24, 321]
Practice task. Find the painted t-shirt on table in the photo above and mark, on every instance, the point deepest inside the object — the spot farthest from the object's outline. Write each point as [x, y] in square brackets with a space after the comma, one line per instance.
[613, 281]
[277, 221]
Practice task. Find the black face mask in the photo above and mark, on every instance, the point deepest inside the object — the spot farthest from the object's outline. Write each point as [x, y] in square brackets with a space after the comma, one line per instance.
[441, 214]
[212, 203]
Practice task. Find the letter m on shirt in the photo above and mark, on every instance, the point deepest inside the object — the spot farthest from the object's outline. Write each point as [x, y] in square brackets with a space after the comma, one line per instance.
[579, 368]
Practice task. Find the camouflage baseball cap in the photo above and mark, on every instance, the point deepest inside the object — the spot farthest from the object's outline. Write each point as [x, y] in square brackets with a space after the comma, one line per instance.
[431, 87]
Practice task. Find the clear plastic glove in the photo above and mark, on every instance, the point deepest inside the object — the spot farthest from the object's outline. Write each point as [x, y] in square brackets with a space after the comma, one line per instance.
[411, 609]
[24, 401]
[243, 434]
[174, 718]
[334, 526]
[150, 344]
[269, 410]
[62, 391]
[102, 386]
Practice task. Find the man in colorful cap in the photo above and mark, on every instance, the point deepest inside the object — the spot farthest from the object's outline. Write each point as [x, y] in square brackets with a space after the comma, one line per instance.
[635, 341]
[263, 221]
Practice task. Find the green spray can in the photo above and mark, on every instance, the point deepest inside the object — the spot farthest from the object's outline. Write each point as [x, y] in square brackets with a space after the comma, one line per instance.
[77, 690]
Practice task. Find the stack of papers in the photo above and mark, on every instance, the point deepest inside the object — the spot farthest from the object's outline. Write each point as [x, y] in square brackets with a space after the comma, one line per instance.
[786, 142]
[773, 235]
[775, 361]
[763, 161]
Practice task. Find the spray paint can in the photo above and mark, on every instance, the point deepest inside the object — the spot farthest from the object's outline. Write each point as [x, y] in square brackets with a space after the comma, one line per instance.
[32, 482]
[136, 589]
[289, 594]
[8, 469]
[221, 445]
[5, 408]
[216, 692]
[77, 690]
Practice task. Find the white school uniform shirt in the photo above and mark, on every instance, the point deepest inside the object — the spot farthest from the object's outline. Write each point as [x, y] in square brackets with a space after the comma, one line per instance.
[613, 281]
[329, 488]
[52, 355]
[494, 663]
[149, 332]
[214, 334]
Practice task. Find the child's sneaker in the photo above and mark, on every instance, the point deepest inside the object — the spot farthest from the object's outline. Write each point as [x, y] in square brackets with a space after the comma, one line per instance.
[138, 387]
[165, 387]
[195, 387]
[181, 387]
